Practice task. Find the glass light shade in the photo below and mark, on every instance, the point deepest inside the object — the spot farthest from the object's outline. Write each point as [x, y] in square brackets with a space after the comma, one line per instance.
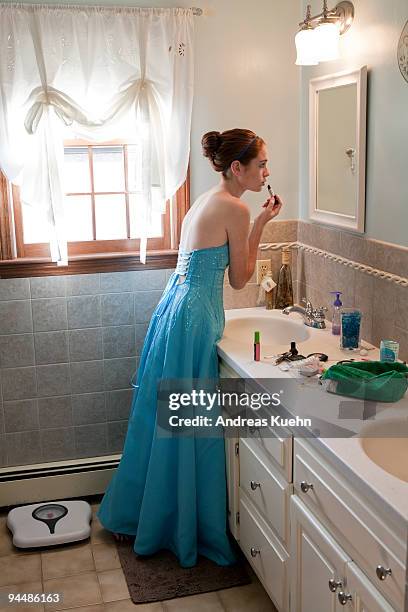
[305, 41]
[327, 42]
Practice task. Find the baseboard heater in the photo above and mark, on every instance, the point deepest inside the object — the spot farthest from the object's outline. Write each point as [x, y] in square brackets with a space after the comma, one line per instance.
[25, 484]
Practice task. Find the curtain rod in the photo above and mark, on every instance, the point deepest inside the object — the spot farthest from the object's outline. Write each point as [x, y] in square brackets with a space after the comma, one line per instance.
[197, 12]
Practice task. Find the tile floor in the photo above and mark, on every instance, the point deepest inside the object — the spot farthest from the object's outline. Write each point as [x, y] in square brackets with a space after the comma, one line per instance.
[90, 577]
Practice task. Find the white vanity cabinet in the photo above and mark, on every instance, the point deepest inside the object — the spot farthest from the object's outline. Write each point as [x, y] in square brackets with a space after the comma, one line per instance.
[318, 563]
[315, 542]
[323, 576]
[259, 479]
[376, 545]
[232, 466]
[264, 497]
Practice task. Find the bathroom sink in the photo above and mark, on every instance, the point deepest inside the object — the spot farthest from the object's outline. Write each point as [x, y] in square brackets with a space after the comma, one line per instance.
[386, 443]
[277, 331]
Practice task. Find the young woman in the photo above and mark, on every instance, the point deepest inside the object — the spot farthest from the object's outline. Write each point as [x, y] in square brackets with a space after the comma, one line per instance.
[170, 491]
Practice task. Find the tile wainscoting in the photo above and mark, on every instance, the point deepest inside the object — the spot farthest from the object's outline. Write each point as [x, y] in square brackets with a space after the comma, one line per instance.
[382, 302]
[69, 346]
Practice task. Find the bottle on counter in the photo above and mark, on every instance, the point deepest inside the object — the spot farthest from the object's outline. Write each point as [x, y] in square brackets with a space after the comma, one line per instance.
[336, 312]
[284, 290]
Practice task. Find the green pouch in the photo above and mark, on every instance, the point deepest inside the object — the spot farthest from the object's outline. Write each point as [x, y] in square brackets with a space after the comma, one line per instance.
[377, 381]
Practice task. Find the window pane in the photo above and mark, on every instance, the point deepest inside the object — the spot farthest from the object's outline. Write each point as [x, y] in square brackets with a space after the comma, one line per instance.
[110, 213]
[76, 170]
[108, 169]
[78, 218]
[34, 225]
[135, 202]
[134, 168]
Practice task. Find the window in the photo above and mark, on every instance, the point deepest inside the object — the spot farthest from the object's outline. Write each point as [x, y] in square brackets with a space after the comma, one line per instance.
[103, 188]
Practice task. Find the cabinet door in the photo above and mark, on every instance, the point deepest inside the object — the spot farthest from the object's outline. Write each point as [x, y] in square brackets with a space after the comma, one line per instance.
[232, 467]
[365, 596]
[315, 559]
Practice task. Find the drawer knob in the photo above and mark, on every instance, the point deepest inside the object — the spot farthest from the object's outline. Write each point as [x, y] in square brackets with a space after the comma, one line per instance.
[306, 486]
[253, 430]
[382, 572]
[255, 551]
[255, 485]
[344, 598]
[334, 585]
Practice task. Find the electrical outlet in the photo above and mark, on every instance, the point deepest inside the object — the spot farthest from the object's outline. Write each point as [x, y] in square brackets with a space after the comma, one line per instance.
[263, 267]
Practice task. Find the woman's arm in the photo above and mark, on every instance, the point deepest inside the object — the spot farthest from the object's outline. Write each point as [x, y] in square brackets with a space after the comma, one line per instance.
[243, 248]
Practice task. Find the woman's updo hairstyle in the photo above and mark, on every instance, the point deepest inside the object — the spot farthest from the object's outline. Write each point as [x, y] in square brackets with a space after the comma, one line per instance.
[222, 148]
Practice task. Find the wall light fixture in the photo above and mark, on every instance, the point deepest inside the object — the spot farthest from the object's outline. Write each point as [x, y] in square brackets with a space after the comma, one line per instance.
[319, 36]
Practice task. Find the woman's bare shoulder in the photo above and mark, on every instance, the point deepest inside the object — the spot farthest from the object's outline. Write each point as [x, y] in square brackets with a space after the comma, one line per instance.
[227, 200]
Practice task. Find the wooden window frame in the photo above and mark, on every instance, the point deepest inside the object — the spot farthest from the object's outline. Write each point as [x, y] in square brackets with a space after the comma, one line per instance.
[100, 255]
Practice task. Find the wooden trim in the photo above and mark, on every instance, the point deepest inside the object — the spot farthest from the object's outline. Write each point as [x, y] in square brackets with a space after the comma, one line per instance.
[91, 170]
[86, 264]
[183, 202]
[6, 251]
[18, 221]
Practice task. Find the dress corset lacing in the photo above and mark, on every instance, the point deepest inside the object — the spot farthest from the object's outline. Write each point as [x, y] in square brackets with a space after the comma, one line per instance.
[183, 262]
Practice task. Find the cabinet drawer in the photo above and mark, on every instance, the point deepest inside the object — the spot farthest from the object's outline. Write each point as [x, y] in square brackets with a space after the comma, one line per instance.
[278, 449]
[265, 554]
[267, 489]
[351, 520]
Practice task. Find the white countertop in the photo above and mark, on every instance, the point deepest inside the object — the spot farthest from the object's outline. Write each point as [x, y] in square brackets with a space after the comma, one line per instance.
[345, 452]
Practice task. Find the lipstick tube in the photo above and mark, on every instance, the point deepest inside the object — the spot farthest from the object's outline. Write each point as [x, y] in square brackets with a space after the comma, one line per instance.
[257, 346]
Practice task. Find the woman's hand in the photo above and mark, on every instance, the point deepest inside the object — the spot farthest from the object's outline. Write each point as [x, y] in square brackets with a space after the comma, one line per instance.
[271, 209]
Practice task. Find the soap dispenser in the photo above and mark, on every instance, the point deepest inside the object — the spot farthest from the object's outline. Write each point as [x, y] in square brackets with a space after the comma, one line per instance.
[336, 321]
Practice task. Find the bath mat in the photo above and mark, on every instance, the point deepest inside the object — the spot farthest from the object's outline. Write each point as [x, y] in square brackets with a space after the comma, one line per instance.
[160, 576]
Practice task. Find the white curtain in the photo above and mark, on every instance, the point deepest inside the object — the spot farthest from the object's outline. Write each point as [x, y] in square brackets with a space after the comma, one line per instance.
[101, 73]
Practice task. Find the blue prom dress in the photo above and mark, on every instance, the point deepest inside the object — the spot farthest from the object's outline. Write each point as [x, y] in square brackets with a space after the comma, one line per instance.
[170, 493]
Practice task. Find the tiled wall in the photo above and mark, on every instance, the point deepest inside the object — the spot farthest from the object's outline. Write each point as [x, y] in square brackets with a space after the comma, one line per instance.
[276, 231]
[69, 346]
[383, 303]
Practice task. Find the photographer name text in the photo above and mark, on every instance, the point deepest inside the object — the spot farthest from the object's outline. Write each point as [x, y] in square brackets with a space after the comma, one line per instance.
[221, 421]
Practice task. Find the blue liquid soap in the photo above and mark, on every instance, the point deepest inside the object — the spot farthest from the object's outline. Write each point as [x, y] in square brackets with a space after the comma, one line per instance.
[336, 321]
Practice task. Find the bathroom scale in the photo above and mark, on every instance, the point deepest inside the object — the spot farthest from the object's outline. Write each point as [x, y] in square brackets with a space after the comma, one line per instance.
[50, 523]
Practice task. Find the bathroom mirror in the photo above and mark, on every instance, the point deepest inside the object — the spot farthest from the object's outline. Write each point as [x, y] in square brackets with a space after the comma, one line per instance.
[337, 142]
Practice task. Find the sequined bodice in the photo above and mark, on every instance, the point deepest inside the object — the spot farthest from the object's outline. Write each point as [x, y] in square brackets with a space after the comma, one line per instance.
[198, 296]
[203, 267]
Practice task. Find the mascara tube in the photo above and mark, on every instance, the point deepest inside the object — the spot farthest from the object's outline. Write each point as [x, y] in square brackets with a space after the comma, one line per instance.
[257, 346]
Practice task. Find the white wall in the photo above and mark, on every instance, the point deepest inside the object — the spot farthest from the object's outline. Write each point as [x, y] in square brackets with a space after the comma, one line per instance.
[244, 77]
[372, 40]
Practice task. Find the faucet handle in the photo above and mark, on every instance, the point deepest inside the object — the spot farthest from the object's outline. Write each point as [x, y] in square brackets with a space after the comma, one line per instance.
[318, 313]
[309, 307]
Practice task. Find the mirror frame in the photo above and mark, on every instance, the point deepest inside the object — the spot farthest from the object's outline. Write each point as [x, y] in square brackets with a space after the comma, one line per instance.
[357, 221]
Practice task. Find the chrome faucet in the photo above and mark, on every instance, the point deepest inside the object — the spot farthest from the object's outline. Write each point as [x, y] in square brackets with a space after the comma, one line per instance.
[312, 317]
